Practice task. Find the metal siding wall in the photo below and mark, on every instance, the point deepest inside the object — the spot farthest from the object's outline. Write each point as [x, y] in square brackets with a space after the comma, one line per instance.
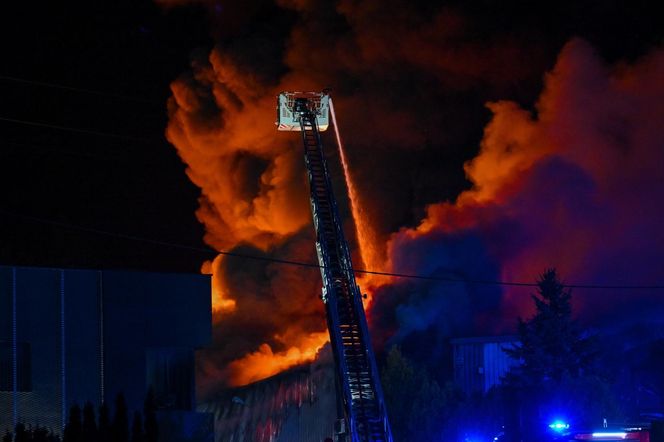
[178, 310]
[134, 305]
[491, 366]
[6, 307]
[124, 337]
[63, 353]
[100, 330]
[497, 363]
[471, 354]
[147, 310]
[471, 380]
[82, 338]
[468, 368]
[38, 322]
[478, 360]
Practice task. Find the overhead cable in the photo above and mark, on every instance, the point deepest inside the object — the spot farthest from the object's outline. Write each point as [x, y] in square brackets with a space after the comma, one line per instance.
[210, 251]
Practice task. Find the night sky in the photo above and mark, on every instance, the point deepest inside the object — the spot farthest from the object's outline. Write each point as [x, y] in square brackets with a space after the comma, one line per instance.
[553, 109]
[125, 178]
[131, 181]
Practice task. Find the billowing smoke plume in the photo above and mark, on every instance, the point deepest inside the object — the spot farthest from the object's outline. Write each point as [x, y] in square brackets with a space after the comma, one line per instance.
[571, 185]
[574, 184]
[253, 189]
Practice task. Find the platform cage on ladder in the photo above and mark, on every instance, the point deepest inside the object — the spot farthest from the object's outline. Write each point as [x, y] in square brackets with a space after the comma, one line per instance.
[288, 118]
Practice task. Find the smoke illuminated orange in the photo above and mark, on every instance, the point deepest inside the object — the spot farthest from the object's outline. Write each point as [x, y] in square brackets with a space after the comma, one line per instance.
[221, 301]
[264, 362]
[367, 239]
[551, 187]
[253, 185]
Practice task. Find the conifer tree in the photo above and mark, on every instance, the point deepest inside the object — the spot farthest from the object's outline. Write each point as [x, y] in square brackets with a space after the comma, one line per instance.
[557, 368]
[149, 412]
[552, 345]
[20, 434]
[89, 423]
[120, 426]
[415, 402]
[74, 428]
[137, 428]
[104, 430]
[40, 434]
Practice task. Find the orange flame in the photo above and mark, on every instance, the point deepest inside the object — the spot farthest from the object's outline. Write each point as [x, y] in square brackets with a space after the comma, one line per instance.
[264, 362]
[252, 181]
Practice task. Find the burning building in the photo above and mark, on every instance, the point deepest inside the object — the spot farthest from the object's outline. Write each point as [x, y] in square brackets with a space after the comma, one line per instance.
[297, 404]
[550, 176]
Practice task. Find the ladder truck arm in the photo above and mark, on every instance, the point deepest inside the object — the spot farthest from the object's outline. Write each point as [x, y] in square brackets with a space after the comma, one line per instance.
[361, 408]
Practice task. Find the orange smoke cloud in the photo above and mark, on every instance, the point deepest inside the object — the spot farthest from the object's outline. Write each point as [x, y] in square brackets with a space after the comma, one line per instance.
[221, 301]
[251, 182]
[264, 362]
[572, 185]
[254, 196]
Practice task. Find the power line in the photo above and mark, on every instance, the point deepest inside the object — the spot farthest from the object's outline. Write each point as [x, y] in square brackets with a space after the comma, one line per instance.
[78, 89]
[105, 154]
[74, 129]
[209, 251]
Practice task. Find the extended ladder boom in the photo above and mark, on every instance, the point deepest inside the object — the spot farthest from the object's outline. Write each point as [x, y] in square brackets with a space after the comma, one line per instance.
[358, 378]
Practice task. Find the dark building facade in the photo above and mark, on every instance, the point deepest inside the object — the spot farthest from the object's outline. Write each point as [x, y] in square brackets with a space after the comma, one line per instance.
[71, 336]
[480, 363]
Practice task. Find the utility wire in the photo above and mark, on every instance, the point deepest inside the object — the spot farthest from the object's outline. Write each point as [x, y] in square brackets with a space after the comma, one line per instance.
[210, 251]
[100, 155]
[78, 89]
[74, 129]
[227, 253]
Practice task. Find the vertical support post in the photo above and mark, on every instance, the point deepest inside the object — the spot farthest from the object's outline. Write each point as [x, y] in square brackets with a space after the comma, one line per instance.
[14, 353]
[63, 353]
[100, 300]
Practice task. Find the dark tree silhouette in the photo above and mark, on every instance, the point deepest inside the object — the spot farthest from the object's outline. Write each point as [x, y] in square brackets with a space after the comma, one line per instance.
[36, 434]
[150, 415]
[120, 426]
[89, 423]
[40, 434]
[74, 428]
[552, 345]
[104, 430]
[20, 434]
[557, 368]
[137, 428]
[416, 404]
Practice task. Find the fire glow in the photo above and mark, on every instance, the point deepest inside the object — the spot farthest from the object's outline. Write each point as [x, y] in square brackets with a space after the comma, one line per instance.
[366, 237]
[264, 362]
[547, 188]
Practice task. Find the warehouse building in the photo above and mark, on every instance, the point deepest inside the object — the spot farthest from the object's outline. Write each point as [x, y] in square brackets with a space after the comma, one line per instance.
[71, 336]
[480, 362]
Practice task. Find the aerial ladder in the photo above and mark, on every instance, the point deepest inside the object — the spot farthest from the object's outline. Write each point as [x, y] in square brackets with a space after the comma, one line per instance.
[361, 414]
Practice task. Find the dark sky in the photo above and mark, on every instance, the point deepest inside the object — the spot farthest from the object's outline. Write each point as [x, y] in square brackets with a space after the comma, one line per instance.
[126, 178]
